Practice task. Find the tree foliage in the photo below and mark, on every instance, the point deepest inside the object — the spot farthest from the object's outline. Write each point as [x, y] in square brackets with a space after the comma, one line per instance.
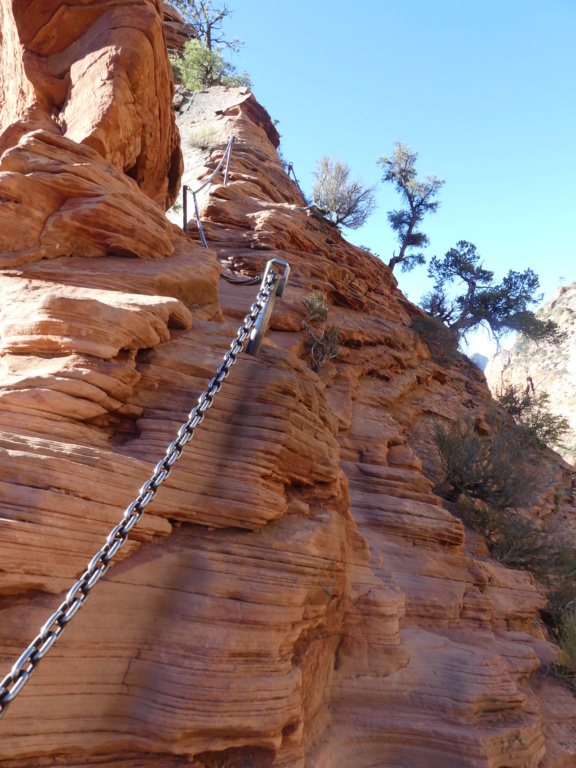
[502, 307]
[202, 64]
[491, 478]
[442, 345]
[531, 412]
[418, 198]
[495, 470]
[206, 19]
[200, 67]
[345, 202]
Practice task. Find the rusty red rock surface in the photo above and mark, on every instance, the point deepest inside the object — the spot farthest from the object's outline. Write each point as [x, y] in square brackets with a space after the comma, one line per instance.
[296, 595]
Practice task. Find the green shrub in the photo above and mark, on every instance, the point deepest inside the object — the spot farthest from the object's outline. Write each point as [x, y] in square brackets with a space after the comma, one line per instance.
[530, 411]
[494, 470]
[482, 517]
[199, 68]
[464, 456]
[323, 343]
[442, 344]
[568, 640]
[562, 583]
[490, 478]
[511, 538]
[521, 544]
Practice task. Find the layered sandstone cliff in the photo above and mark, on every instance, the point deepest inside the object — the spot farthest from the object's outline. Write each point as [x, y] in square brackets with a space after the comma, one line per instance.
[296, 595]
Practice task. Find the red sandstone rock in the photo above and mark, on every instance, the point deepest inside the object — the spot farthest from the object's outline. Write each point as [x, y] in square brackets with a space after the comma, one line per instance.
[296, 595]
[101, 75]
[75, 203]
[177, 31]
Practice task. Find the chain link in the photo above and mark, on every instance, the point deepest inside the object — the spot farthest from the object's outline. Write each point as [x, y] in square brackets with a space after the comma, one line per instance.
[241, 280]
[56, 625]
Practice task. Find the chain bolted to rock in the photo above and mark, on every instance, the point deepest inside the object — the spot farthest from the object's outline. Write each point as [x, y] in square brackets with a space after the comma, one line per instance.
[185, 189]
[253, 329]
[226, 157]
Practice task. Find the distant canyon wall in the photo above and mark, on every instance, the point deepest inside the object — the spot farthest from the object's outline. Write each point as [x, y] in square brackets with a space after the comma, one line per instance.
[549, 368]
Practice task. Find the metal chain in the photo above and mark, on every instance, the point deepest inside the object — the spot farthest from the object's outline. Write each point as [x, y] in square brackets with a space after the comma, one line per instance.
[241, 280]
[185, 189]
[288, 167]
[54, 628]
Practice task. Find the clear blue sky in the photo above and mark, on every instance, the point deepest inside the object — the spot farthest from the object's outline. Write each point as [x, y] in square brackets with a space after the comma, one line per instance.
[483, 91]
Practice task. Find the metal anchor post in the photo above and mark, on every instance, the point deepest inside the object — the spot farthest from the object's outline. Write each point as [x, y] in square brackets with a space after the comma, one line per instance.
[257, 333]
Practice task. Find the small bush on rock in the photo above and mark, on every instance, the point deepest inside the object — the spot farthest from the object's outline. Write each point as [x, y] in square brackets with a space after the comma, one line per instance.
[491, 478]
[521, 544]
[203, 138]
[494, 470]
[565, 669]
[442, 344]
[323, 343]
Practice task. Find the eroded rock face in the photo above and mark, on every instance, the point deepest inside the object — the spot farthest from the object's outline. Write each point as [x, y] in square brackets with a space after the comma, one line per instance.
[100, 71]
[296, 595]
[178, 32]
[87, 124]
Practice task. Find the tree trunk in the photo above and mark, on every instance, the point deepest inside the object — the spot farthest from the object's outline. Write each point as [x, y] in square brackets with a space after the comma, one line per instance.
[465, 322]
[402, 254]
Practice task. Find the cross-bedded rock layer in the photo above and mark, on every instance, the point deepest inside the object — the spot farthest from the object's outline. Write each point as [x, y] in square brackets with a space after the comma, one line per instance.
[296, 595]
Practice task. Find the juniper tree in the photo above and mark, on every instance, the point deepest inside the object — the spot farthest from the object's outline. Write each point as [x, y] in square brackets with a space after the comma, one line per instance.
[502, 307]
[345, 202]
[206, 20]
[418, 197]
[201, 64]
[199, 68]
